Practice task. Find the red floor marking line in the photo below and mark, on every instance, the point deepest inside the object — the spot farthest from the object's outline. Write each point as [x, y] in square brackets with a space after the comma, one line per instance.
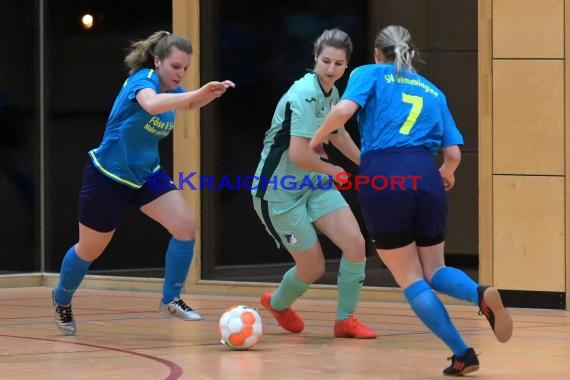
[175, 369]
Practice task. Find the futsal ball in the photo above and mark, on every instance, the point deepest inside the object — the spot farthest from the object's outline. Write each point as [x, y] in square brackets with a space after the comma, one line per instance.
[240, 327]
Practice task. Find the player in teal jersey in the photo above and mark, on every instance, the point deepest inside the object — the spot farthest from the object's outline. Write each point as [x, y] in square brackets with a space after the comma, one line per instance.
[118, 170]
[293, 214]
[404, 120]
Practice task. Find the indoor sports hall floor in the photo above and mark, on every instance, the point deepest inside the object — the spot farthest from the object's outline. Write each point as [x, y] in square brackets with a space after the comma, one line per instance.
[121, 336]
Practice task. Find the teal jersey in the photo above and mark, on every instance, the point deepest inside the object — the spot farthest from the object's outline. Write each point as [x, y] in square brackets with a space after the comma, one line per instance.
[300, 112]
[400, 111]
[129, 151]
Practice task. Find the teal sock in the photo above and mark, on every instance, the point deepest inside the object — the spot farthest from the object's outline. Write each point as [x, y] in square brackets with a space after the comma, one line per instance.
[288, 291]
[350, 280]
[177, 265]
[73, 270]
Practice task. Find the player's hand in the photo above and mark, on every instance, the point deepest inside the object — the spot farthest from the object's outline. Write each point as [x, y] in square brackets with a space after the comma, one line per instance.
[319, 149]
[448, 179]
[217, 89]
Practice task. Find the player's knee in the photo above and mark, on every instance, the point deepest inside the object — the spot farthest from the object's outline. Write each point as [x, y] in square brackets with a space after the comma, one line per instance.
[354, 247]
[183, 228]
[359, 243]
[88, 252]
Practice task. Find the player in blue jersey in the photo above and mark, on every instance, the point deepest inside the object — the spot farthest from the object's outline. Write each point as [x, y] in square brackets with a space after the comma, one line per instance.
[117, 172]
[404, 120]
[292, 214]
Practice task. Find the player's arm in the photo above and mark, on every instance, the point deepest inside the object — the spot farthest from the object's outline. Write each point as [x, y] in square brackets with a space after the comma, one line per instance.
[154, 103]
[303, 157]
[338, 116]
[345, 144]
[452, 138]
[451, 160]
[215, 90]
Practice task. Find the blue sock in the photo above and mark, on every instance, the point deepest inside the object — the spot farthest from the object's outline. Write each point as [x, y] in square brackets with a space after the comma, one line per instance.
[177, 265]
[455, 283]
[433, 314]
[73, 269]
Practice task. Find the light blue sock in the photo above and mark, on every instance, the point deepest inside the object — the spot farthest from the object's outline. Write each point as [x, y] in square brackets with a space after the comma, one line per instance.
[433, 314]
[455, 283]
[350, 281]
[288, 291]
[73, 270]
[177, 265]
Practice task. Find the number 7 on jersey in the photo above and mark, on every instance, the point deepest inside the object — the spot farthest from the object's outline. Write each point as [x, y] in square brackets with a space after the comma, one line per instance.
[417, 103]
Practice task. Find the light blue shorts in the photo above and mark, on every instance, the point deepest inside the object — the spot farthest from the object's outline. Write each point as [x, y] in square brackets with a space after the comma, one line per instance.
[290, 222]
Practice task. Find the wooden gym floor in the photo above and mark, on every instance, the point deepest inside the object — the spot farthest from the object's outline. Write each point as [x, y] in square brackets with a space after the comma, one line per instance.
[121, 336]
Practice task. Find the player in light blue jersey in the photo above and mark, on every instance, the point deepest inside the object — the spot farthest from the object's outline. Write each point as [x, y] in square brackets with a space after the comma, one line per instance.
[116, 174]
[404, 120]
[293, 215]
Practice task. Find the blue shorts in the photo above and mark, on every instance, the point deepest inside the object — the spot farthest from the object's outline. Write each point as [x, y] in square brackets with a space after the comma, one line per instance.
[411, 204]
[103, 201]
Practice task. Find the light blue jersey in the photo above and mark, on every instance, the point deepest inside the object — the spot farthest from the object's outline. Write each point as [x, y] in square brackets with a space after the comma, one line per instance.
[300, 112]
[129, 150]
[400, 111]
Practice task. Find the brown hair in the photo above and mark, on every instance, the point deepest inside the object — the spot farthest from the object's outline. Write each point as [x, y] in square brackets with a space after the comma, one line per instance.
[334, 38]
[142, 53]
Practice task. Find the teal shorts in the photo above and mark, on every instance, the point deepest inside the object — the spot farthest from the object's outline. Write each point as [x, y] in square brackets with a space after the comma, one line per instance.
[290, 222]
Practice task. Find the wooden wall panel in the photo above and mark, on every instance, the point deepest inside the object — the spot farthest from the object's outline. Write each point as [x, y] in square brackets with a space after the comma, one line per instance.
[528, 28]
[186, 140]
[528, 117]
[529, 233]
[485, 139]
[567, 144]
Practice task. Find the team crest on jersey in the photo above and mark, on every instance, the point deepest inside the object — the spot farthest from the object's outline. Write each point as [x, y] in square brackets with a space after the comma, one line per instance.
[291, 239]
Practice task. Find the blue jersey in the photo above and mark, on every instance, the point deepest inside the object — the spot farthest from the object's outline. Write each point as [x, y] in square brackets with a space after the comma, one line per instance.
[129, 150]
[400, 111]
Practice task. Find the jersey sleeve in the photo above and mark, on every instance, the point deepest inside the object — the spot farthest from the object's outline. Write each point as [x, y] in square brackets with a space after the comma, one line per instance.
[335, 100]
[360, 86]
[303, 120]
[451, 134]
[142, 79]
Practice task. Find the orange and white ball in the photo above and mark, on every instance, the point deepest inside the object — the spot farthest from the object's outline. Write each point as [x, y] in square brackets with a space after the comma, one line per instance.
[240, 327]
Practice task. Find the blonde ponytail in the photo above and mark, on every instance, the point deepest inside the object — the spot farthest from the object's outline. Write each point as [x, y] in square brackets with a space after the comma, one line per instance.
[396, 45]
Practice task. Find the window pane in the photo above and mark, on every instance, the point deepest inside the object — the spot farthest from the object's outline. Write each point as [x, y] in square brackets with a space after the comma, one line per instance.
[264, 56]
[85, 72]
[19, 137]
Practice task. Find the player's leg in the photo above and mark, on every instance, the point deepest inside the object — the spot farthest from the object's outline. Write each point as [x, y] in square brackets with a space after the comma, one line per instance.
[405, 266]
[288, 223]
[169, 208]
[456, 283]
[102, 202]
[335, 219]
[430, 233]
